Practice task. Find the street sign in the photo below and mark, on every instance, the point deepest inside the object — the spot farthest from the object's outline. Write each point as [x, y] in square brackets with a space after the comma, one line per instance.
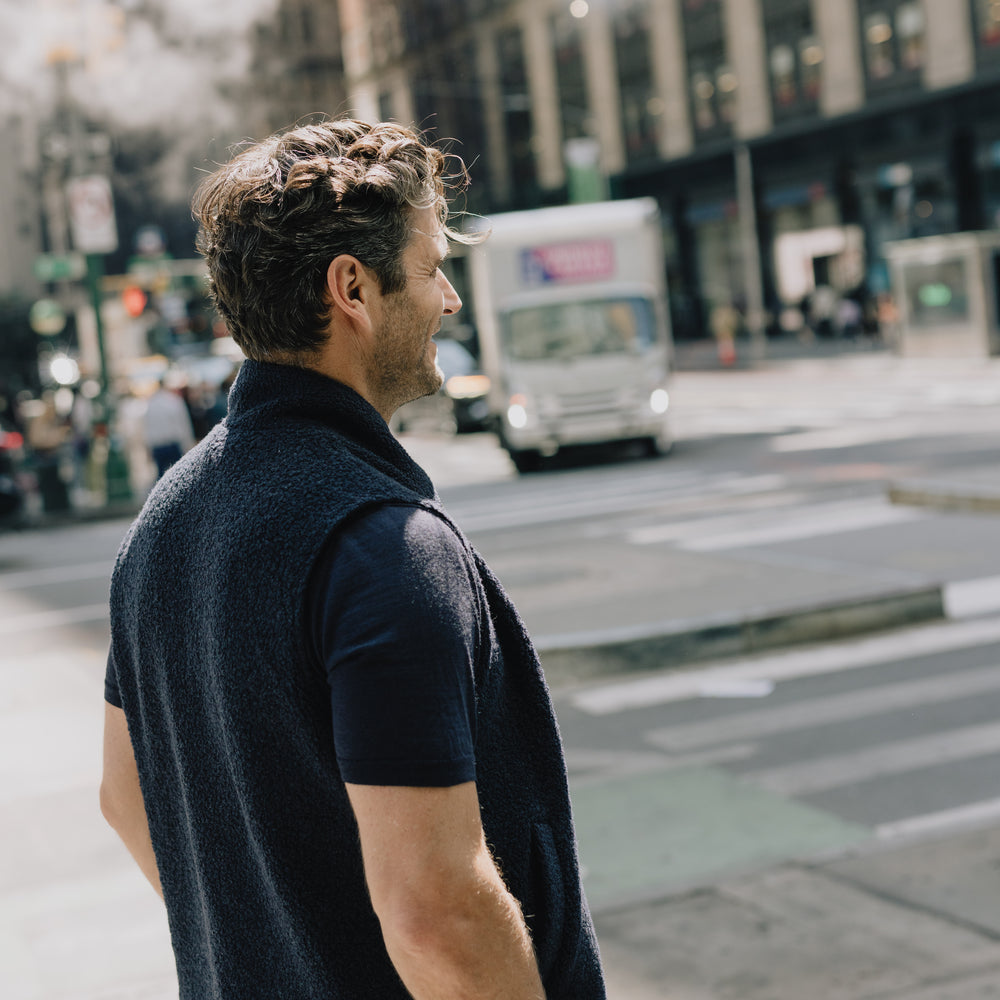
[60, 267]
[46, 317]
[92, 214]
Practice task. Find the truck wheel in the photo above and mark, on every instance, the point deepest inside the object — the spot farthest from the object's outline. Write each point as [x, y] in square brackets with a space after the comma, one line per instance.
[658, 444]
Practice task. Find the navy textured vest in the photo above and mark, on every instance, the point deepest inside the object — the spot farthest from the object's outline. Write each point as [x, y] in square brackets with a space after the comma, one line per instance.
[229, 714]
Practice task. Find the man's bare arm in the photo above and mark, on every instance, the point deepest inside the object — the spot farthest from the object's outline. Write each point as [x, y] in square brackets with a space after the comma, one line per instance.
[121, 797]
[451, 927]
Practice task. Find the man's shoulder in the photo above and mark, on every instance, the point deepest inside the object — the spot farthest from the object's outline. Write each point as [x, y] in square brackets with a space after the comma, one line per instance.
[402, 524]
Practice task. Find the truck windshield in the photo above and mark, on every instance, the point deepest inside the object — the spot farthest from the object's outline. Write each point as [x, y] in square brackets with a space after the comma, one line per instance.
[580, 329]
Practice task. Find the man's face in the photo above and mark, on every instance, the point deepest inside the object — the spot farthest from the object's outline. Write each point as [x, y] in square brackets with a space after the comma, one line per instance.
[404, 359]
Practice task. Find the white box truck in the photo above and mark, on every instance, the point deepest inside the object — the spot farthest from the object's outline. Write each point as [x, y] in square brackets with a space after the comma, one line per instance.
[570, 305]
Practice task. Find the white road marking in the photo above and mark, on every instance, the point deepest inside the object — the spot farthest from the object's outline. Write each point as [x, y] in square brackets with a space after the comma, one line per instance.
[826, 519]
[18, 580]
[729, 531]
[587, 498]
[588, 768]
[42, 620]
[828, 438]
[897, 757]
[939, 822]
[606, 699]
[968, 598]
[826, 710]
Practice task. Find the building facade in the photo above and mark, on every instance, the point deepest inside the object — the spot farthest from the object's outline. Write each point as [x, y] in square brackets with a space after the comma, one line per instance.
[860, 122]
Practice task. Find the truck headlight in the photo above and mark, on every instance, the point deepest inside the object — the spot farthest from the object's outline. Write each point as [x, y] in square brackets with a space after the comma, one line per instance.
[517, 411]
[659, 401]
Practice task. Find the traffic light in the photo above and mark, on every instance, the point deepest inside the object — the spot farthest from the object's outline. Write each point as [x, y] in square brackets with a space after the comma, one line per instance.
[134, 300]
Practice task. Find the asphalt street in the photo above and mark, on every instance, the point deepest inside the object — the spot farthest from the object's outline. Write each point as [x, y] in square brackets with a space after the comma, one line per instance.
[816, 819]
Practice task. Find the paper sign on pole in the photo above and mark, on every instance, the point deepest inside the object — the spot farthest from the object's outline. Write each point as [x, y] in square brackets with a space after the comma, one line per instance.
[92, 214]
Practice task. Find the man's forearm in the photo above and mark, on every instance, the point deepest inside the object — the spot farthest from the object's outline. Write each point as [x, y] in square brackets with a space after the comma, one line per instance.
[121, 795]
[475, 948]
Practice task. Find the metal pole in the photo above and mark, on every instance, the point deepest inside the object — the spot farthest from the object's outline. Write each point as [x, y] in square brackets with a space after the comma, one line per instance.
[753, 285]
[95, 271]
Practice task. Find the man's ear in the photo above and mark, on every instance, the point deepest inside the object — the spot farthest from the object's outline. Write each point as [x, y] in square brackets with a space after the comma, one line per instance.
[350, 286]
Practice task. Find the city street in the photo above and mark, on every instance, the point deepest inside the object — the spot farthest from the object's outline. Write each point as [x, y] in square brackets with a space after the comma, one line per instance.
[729, 812]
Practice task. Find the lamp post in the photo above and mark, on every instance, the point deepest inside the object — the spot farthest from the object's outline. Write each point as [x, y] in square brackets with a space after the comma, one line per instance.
[90, 209]
[753, 287]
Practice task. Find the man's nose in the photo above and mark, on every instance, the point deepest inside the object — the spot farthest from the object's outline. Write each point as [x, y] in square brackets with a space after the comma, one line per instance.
[452, 303]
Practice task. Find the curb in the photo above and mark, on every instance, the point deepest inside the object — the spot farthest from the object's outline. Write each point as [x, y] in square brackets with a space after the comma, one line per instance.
[567, 659]
[961, 498]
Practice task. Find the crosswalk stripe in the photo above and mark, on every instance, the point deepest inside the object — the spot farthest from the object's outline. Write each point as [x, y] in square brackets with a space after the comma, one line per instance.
[40, 620]
[587, 498]
[620, 696]
[938, 822]
[809, 713]
[965, 598]
[822, 774]
[55, 574]
[708, 534]
[809, 525]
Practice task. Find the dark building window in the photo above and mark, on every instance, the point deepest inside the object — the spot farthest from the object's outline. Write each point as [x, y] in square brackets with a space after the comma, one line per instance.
[893, 35]
[795, 58]
[386, 33]
[642, 109]
[712, 82]
[987, 21]
[516, 100]
[571, 77]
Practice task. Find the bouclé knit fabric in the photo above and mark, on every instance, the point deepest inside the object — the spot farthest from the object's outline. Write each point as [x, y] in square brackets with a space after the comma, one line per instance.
[229, 711]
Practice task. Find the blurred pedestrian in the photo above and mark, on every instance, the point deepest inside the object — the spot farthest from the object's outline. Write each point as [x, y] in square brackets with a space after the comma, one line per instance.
[167, 426]
[849, 317]
[337, 720]
[48, 436]
[725, 322]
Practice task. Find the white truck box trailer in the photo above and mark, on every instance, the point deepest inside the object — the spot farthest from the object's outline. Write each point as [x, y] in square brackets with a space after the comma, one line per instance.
[570, 304]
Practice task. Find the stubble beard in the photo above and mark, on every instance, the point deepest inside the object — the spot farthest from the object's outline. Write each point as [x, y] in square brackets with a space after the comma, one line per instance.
[401, 367]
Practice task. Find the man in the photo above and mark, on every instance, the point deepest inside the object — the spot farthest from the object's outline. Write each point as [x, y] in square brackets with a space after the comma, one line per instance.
[328, 740]
[167, 426]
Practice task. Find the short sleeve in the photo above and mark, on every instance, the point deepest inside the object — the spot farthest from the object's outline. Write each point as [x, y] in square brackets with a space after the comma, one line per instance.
[394, 619]
[111, 694]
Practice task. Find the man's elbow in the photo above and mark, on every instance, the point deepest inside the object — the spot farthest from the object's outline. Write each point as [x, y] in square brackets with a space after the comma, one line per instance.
[441, 915]
[113, 805]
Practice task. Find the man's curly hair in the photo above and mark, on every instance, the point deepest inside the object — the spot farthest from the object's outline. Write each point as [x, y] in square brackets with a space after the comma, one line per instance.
[273, 218]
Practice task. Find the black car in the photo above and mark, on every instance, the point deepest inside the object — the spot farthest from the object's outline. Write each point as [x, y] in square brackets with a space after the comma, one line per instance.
[465, 385]
[460, 406]
[11, 493]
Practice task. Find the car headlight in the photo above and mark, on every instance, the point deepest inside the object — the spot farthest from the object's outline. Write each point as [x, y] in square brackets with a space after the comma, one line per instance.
[659, 401]
[467, 386]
